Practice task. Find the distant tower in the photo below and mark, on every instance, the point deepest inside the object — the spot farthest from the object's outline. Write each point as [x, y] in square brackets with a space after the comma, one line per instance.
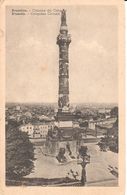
[63, 40]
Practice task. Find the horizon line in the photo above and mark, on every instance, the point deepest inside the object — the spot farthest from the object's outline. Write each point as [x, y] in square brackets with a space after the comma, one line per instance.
[57, 103]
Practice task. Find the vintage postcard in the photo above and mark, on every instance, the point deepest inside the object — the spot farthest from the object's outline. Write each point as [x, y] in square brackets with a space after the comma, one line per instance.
[62, 97]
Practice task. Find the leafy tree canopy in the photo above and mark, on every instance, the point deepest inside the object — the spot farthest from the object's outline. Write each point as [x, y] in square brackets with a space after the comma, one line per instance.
[19, 152]
[114, 111]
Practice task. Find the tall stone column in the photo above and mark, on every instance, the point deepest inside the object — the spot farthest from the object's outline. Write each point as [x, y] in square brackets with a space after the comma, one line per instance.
[63, 41]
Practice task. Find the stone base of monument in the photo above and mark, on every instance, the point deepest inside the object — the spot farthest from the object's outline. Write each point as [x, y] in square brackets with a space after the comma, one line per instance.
[64, 116]
[63, 151]
[65, 139]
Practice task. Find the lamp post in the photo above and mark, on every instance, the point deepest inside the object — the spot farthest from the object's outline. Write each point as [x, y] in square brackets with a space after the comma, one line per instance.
[85, 160]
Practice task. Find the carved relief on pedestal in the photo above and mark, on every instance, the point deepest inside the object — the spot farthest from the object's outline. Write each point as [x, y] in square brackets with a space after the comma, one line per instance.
[63, 101]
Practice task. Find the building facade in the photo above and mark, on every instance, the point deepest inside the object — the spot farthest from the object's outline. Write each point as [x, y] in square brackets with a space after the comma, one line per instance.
[37, 130]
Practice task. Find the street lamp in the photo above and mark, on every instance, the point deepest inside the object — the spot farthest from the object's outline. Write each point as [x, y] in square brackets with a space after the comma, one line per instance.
[85, 160]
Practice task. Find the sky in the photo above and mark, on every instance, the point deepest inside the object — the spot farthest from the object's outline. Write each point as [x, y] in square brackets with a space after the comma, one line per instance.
[32, 56]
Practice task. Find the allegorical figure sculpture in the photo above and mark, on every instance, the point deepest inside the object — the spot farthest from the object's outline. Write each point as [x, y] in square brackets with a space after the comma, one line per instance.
[63, 18]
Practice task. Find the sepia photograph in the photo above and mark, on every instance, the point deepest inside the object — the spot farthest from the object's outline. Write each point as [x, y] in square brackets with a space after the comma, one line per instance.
[62, 96]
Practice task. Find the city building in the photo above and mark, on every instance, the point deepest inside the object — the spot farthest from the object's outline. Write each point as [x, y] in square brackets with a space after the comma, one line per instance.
[103, 130]
[92, 123]
[28, 128]
[104, 110]
[37, 130]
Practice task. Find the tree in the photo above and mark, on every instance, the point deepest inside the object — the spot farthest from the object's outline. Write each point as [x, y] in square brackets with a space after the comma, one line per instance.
[19, 152]
[84, 124]
[110, 141]
[114, 111]
[78, 114]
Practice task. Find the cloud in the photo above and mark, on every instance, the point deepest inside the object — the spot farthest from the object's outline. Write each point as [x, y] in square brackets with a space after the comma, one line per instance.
[29, 42]
[95, 46]
[91, 46]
